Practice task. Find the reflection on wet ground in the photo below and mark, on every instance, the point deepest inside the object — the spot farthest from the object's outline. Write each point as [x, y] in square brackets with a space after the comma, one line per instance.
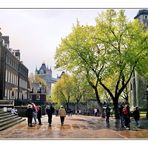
[75, 127]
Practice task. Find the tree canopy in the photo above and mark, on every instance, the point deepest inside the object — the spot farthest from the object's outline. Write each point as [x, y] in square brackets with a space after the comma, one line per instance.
[109, 51]
[71, 89]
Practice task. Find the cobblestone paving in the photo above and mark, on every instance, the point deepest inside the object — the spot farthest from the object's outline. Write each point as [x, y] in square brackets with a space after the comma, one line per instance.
[75, 127]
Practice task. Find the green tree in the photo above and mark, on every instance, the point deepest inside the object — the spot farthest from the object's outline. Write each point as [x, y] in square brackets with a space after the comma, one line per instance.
[35, 78]
[40, 80]
[125, 46]
[82, 91]
[110, 51]
[77, 53]
[62, 91]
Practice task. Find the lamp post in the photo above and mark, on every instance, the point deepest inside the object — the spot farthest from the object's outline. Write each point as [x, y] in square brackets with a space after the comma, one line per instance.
[147, 101]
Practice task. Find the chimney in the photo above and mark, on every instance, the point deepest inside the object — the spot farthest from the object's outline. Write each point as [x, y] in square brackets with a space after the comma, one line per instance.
[16, 53]
[6, 41]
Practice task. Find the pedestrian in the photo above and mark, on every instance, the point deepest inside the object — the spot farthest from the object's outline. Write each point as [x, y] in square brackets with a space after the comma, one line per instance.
[62, 114]
[39, 115]
[50, 110]
[136, 115]
[121, 115]
[95, 111]
[34, 107]
[107, 113]
[56, 112]
[126, 116]
[14, 111]
[29, 114]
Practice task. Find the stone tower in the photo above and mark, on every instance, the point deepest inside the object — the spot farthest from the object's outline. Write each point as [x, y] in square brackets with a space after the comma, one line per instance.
[45, 73]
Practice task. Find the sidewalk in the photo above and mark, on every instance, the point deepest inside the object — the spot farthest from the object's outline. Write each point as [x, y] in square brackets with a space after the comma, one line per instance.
[75, 127]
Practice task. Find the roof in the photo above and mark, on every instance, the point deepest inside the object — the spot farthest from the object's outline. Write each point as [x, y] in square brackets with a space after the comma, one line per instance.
[141, 12]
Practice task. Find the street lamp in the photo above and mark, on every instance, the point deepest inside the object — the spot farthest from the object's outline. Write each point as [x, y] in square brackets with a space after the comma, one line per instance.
[147, 101]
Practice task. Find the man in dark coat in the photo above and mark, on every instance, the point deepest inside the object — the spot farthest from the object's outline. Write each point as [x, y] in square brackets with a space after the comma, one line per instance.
[29, 114]
[107, 111]
[136, 115]
[121, 115]
[39, 114]
[50, 110]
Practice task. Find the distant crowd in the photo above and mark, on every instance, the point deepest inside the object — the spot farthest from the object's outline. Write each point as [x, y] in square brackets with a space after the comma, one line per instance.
[124, 115]
[34, 114]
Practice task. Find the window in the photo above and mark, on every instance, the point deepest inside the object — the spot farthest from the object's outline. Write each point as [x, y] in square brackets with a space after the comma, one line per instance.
[6, 76]
[9, 76]
[12, 78]
[8, 94]
[5, 93]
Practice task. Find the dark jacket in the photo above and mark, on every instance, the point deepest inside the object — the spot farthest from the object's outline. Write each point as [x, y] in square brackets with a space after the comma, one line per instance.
[50, 110]
[39, 113]
[136, 115]
[108, 111]
[120, 110]
[29, 112]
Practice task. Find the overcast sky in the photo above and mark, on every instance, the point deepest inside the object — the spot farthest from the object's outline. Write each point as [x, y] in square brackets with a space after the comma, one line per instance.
[37, 32]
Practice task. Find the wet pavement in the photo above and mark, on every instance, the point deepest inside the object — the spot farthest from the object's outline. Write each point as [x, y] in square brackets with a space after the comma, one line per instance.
[75, 127]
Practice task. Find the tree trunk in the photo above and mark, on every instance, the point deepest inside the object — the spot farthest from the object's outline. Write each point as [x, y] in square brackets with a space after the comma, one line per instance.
[77, 105]
[67, 106]
[116, 110]
[98, 101]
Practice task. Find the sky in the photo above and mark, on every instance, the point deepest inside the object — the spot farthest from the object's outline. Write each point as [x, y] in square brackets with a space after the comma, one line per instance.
[37, 32]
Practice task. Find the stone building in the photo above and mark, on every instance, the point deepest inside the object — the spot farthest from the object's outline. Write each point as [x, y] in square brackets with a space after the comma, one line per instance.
[45, 73]
[37, 93]
[138, 84]
[13, 73]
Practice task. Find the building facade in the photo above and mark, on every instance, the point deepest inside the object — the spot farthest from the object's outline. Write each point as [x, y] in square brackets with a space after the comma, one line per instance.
[45, 73]
[38, 93]
[138, 84]
[13, 73]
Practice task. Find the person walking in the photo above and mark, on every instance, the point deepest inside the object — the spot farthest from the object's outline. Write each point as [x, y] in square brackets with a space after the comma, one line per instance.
[50, 110]
[62, 114]
[136, 115]
[34, 107]
[39, 115]
[126, 116]
[121, 115]
[95, 111]
[107, 113]
[29, 114]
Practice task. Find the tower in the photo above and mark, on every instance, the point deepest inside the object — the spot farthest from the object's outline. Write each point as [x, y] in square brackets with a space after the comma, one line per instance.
[45, 73]
[142, 16]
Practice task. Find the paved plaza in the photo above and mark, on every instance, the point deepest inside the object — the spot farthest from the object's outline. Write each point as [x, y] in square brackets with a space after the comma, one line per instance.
[76, 127]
